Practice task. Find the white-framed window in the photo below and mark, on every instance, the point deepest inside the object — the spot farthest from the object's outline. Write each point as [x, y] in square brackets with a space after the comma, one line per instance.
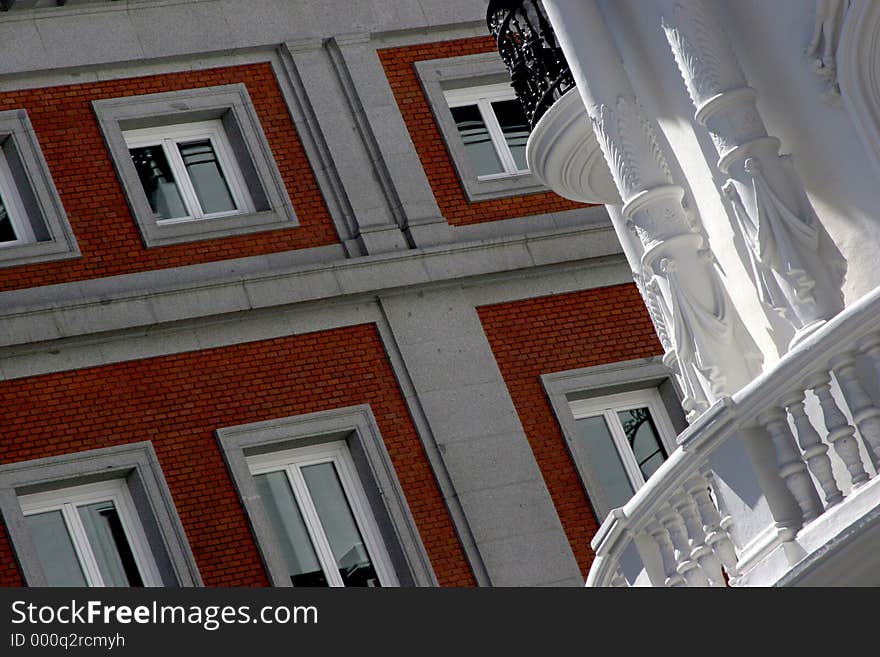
[188, 171]
[493, 129]
[625, 437]
[33, 224]
[321, 517]
[90, 535]
[15, 228]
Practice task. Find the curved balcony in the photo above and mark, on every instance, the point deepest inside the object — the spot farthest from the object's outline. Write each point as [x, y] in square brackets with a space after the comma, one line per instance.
[777, 485]
[560, 152]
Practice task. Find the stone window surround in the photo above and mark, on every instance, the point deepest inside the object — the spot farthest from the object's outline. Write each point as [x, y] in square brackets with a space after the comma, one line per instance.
[439, 75]
[138, 465]
[42, 205]
[232, 104]
[291, 465]
[598, 381]
[357, 427]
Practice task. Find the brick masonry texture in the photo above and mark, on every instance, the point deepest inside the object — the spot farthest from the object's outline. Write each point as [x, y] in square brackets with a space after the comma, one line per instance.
[178, 401]
[95, 202]
[400, 68]
[554, 334]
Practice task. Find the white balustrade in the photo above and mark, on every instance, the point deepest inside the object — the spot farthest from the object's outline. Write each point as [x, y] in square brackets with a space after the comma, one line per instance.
[708, 561]
[717, 538]
[791, 466]
[865, 414]
[667, 554]
[677, 514]
[689, 569]
[840, 433]
[815, 452]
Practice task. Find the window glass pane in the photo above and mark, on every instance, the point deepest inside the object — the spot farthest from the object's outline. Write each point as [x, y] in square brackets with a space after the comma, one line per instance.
[594, 435]
[515, 128]
[206, 176]
[55, 549]
[643, 437]
[290, 529]
[476, 140]
[7, 232]
[158, 181]
[339, 525]
[110, 545]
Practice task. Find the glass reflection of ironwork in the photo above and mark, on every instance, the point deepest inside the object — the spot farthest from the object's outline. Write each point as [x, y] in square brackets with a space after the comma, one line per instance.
[539, 73]
[633, 420]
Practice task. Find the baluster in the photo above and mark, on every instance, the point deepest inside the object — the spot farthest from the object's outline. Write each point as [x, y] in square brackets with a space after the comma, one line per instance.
[618, 580]
[717, 537]
[667, 554]
[870, 347]
[865, 414]
[684, 504]
[687, 567]
[815, 452]
[841, 434]
[789, 464]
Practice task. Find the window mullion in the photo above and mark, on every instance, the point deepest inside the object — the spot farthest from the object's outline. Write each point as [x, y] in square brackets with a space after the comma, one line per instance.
[497, 135]
[175, 160]
[81, 544]
[313, 524]
[624, 449]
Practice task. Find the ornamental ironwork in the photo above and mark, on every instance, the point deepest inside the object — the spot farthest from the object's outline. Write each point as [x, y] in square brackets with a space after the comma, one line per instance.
[539, 73]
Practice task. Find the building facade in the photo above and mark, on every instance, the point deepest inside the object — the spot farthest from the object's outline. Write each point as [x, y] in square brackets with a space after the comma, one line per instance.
[282, 304]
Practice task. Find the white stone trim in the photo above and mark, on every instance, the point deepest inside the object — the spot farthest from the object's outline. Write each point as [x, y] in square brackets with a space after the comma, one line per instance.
[27, 185]
[563, 388]
[138, 466]
[437, 76]
[166, 137]
[233, 106]
[67, 500]
[357, 427]
[290, 461]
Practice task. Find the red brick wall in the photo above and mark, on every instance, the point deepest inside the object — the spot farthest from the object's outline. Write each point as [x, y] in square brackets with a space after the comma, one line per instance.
[177, 401]
[399, 66]
[71, 140]
[553, 334]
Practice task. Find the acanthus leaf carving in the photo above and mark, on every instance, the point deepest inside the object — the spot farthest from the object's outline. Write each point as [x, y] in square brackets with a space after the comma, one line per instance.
[653, 302]
[702, 57]
[604, 125]
[702, 80]
[631, 145]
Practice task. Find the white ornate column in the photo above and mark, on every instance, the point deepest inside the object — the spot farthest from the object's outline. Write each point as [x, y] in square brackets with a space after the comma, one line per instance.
[794, 265]
[713, 351]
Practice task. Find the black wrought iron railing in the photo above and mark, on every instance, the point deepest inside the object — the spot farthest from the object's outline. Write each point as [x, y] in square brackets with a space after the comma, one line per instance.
[539, 73]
